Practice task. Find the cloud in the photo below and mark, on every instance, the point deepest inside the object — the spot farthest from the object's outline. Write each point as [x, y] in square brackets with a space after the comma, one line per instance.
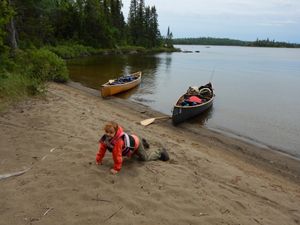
[228, 18]
[238, 7]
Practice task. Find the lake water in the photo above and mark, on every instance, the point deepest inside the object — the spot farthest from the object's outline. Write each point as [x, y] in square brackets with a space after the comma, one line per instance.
[257, 89]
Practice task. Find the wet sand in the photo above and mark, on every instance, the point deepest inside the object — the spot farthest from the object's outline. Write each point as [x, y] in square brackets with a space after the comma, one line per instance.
[50, 143]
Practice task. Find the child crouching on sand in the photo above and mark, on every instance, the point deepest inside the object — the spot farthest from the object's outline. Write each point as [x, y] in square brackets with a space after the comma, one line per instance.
[122, 144]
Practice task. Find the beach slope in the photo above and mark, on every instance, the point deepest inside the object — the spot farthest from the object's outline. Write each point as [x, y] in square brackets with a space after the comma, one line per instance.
[48, 173]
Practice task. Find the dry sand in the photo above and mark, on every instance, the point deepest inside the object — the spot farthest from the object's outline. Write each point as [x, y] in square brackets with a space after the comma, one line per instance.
[210, 179]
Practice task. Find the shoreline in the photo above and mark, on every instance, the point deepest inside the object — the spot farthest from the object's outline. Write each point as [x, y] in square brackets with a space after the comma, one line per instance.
[48, 173]
[284, 152]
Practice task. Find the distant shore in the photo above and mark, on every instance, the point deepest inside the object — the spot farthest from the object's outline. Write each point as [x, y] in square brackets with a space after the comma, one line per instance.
[234, 42]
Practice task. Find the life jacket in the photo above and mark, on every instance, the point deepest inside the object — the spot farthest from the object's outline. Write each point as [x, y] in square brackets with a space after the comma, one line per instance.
[131, 142]
[194, 99]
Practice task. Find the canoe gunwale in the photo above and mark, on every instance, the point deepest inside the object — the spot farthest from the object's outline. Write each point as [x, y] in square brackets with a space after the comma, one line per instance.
[139, 74]
[194, 106]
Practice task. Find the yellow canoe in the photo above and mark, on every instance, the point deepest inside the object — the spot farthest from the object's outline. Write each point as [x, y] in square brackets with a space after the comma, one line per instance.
[113, 87]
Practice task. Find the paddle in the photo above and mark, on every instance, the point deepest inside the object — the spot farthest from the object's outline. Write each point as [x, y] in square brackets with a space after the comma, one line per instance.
[147, 122]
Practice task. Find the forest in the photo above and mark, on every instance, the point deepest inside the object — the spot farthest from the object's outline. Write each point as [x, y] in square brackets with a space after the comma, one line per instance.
[96, 23]
[36, 35]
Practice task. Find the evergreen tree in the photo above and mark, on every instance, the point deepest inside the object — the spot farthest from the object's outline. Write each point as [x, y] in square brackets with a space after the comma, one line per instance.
[64, 21]
[151, 27]
[148, 33]
[169, 39]
[117, 20]
[78, 19]
[33, 21]
[132, 22]
[155, 36]
[6, 14]
[141, 24]
[96, 30]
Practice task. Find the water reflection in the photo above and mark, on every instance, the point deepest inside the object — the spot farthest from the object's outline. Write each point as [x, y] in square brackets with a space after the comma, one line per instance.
[96, 70]
[129, 93]
[148, 64]
[202, 118]
[168, 60]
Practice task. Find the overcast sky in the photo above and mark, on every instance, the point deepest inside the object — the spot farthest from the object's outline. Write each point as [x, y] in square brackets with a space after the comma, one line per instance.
[236, 19]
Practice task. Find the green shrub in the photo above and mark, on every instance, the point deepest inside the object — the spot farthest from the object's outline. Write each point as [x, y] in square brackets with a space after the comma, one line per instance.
[69, 51]
[130, 49]
[48, 66]
[65, 52]
[43, 65]
[26, 74]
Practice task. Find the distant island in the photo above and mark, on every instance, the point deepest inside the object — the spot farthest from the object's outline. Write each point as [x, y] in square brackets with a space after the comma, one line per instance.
[233, 42]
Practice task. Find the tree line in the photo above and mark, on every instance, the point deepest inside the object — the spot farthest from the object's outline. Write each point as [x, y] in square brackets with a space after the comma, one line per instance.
[97, 23]
[233, 42]
[273, 43]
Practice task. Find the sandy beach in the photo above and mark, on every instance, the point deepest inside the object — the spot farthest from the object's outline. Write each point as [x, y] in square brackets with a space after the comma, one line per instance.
[49, 145]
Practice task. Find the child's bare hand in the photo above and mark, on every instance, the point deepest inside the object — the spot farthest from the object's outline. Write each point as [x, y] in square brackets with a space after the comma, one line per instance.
[113, 171]
[98, 163]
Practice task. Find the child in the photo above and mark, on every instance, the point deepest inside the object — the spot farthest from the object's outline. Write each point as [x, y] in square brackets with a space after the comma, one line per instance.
[122, 144]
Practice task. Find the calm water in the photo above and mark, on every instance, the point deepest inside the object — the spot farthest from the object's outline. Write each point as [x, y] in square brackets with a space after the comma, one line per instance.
[257, 89]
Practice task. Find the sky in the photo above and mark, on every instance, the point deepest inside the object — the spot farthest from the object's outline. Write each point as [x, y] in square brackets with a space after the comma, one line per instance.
[246, 20]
